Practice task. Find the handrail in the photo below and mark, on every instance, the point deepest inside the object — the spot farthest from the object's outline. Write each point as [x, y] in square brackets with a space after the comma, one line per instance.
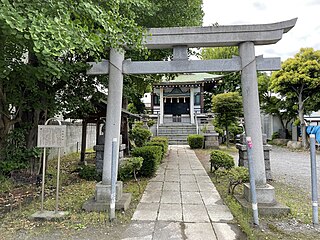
[158, 119]
[196, 121]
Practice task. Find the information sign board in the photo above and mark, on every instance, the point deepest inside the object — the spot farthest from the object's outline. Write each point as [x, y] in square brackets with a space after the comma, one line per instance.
[51, 136]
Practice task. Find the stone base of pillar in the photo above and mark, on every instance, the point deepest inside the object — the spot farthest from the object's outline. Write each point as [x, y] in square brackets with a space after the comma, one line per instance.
[101, 201]
[265, 194]
[267, 204]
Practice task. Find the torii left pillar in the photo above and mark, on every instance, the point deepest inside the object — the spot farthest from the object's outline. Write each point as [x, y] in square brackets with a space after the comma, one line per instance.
[102, 197]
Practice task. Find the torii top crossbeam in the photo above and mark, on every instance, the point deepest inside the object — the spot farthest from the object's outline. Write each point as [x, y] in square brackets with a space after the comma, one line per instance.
[217, 36]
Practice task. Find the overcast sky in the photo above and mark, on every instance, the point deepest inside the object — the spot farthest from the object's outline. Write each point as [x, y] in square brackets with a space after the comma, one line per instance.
[306, 32]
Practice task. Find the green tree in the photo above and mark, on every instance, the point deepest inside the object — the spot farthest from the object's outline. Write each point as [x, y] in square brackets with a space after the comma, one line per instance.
[227, 108]
[43, 50]
[44, 47]
[299, 81]
[275, 104]
[231, 81]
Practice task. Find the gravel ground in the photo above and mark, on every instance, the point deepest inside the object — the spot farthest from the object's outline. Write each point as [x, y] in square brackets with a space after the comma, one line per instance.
[293, 167]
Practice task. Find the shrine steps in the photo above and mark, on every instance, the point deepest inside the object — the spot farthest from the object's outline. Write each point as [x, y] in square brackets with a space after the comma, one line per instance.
[177, 133]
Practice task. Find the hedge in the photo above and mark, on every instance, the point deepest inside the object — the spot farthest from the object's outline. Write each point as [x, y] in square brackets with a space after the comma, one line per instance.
[195, 141]
[152, 156]
[161, 139]
[160, 144]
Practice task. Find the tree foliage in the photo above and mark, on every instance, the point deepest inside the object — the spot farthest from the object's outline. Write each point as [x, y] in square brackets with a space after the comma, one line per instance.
[43, 50]
[231, 81]
[275, 104]
[299, 81]
[227, 108]
[44, 46]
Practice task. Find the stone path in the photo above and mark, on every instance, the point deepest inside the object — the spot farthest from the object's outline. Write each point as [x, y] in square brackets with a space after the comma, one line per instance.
[181, 202]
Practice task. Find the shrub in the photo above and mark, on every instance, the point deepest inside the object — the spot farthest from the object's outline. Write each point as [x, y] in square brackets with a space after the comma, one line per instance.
[130, 168]
[195, 141]
[15, 155]
[151, 122]
[89, 173]
[151, 159]
[161, 139]
[237, 176]
[219, 159]
[275, 135]
[160, 144]
[140, 135]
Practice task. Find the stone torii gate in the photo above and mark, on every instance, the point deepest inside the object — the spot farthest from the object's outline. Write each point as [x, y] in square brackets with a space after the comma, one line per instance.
[246, 37]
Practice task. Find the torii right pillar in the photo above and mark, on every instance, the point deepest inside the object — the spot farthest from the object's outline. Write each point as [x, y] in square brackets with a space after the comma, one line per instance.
[265, 192]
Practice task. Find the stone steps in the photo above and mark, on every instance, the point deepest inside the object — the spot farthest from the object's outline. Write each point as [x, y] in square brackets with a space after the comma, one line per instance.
[177, 134]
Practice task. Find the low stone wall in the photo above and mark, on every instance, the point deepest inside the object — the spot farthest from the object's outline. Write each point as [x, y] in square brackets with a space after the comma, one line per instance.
[243, 155]
[100, 151]
[294, 144]
[211, 140]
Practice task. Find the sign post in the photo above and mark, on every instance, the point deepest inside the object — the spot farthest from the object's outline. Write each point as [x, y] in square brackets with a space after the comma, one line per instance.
[50, 136]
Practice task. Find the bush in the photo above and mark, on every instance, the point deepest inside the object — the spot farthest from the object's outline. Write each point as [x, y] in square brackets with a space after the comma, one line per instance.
[151, 122]
[195, 141]
[130, 168]
[237, 176]
[219, 159]
[151, 159]
[161, 139]
[140, 135]
[15, 155]
[163, 146]
[89, 173]
[275, 135]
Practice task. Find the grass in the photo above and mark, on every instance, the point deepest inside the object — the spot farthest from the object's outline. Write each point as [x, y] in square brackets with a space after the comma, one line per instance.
[73, 193]
[270, 228]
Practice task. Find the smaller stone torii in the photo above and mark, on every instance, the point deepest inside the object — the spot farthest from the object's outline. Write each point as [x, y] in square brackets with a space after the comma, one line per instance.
[246, 37]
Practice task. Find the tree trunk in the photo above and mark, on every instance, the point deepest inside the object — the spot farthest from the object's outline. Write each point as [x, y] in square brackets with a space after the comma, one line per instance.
[227, 136]
[302, 123]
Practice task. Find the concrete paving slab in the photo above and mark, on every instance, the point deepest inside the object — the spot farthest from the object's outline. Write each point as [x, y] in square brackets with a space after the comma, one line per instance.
[167, 230]
[172, 178]
[154, 186]
[194, 213]
[225, 231]
[170, 212]
[189, 187]
[219, 213]
[211, 198]
[184, 166]
[139, 230]
[191, 198]
[187, 178]
[186, 171]
[199, 231]
[200, 172]
[203, 178]
[146, 212]
[158, 178]
[170, 197]
[196, 166]
[173, 166]
[49, 215]
[151, 197]
[206, 186]
[171, 186]
[172, 172]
